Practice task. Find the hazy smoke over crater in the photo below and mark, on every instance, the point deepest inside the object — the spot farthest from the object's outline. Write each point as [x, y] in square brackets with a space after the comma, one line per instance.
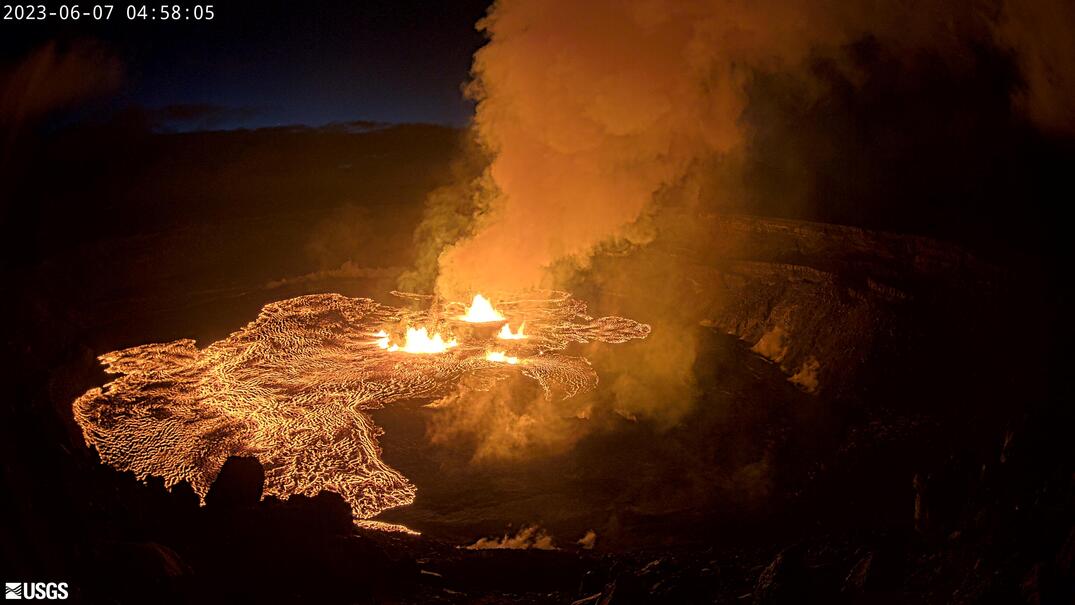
[528, 537]
[50, 78]
[590, 108]
[53, 77]
[604, 125]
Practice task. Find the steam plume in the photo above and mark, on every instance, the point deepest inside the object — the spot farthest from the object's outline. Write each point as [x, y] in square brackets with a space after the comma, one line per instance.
[50, 78]
[528, 537]
[604, 125]
[591, 108]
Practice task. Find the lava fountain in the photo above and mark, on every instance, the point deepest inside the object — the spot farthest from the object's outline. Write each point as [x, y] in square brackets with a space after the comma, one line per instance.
[417, 340]
[506, 333]
[294, 388]
[481, 311]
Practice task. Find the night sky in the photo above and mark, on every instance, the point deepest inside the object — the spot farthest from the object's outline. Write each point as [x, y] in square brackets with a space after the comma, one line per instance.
[275, 63]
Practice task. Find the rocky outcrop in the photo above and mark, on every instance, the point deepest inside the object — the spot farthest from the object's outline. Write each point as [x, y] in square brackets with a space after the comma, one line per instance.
[239, 484]
[782, 580]
[164, 547]
[821, 300]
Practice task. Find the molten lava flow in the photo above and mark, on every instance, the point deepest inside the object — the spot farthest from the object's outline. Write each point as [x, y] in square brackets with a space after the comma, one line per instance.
[501, 357]
[417, 340]
[294, 388]
[481, 311]
[507, 334]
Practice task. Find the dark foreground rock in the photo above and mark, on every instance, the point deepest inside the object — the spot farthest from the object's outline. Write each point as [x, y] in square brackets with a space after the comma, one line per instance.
[239, 547]
[239, 485]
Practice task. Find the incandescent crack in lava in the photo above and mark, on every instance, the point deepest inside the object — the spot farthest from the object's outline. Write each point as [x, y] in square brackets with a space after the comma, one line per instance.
[293, 388]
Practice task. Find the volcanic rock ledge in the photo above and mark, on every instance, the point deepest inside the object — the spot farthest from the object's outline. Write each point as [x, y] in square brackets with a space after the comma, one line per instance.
[821, 300]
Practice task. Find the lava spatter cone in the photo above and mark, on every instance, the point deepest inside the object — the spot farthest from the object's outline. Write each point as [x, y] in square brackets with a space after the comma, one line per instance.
[481, 322]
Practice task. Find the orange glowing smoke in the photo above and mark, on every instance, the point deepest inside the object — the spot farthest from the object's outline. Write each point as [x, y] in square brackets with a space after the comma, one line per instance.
[481, 311]
[294, 388]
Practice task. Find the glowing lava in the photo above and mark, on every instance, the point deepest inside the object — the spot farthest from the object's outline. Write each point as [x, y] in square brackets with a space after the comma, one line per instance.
[417, 340]
[501, 357]
[295, 388]
[481, 311]
[507, 334]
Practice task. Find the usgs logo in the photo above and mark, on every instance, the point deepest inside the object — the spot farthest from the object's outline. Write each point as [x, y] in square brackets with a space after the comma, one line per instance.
[52, 591]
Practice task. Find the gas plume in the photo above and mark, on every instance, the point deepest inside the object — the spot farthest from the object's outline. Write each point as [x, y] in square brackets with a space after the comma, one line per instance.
[50, 78]
[604, 126]
[54, 76]
[528, 537]
[1039, 33]
[588, 109]
[506, 421]
[588, 540]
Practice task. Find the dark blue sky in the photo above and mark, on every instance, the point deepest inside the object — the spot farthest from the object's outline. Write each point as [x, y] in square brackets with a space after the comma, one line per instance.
[275, 63]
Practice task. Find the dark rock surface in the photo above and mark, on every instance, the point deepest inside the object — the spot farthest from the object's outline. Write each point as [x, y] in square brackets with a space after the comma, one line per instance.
[238, 485]
[823, 300]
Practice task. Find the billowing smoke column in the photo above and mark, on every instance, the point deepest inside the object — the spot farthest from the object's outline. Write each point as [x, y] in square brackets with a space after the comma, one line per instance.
[591, 108]
[608, 124]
